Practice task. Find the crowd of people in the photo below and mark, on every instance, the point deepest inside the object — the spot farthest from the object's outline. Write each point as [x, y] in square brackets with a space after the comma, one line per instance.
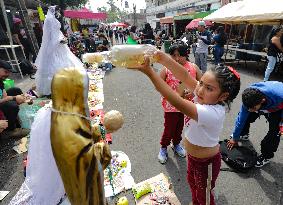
[194, 97]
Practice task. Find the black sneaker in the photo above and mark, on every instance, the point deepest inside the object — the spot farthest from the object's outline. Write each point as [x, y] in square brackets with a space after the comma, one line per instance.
[242, 138]
[245, 137]
[261, 161]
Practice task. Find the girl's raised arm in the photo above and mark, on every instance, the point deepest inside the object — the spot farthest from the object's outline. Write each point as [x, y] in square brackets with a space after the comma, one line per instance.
[184, 106]
[177, 69]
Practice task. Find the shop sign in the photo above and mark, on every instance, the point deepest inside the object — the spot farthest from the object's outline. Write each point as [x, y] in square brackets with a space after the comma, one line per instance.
[183, 17]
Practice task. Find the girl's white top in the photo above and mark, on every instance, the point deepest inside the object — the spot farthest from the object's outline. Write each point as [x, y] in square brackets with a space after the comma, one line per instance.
[205, 132]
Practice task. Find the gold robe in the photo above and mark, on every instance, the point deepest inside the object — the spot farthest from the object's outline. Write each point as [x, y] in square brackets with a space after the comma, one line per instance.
[79, 153]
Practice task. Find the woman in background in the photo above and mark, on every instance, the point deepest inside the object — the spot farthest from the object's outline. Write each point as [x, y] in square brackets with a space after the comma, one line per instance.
[220, 40]
[275, 47]
[133, 36]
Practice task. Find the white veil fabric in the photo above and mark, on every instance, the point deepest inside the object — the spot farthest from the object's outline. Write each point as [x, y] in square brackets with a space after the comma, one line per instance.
[43, 184]
[52, 55]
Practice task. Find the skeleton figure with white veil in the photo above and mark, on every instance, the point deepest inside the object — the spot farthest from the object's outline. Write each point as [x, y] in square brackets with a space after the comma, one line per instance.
[66, 152]
[54, 53]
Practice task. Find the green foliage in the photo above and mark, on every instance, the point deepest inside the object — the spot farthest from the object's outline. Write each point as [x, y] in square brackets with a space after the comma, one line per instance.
[113, 12]
[67, 3]
[102, 9]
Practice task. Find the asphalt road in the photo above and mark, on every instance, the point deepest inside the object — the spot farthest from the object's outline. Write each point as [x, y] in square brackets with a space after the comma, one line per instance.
[132, 93]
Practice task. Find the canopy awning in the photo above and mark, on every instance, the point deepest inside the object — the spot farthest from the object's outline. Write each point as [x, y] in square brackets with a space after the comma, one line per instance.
[194, 23]
[225, 13]
[117, 24]
[167, 20]
[249, 11]
[84, 14]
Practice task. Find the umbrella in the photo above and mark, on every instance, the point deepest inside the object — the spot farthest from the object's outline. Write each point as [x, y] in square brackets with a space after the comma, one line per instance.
[119, 24]
[194, 23]
[84, 14]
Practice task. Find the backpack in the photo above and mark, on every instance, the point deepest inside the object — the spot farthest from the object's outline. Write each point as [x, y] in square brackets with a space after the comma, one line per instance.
[27, 68]
[240, 158]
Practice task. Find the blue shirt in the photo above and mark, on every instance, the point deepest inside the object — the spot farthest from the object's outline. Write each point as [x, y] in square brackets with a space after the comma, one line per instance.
[219, 41]
[273, 92]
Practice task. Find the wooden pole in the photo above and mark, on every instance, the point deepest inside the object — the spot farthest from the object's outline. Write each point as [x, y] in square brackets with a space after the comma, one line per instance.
[10, 36]
[208, 185]
[246, 31]
[228, 41]
[255, 33]
[6, 22]
[27, 24]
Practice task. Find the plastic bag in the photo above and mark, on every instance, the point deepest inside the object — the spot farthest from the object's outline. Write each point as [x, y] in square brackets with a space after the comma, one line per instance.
[142, 190]
[129, 56]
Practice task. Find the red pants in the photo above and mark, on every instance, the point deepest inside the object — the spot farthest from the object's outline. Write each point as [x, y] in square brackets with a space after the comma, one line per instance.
[173, 128]
[197, 177]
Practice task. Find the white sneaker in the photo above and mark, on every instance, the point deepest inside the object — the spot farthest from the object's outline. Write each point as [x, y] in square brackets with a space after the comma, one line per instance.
[163, 155]
[179, 150]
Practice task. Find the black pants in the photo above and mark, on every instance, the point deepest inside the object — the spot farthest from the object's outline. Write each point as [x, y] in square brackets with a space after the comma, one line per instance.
[270, 142]
[28, 50]
[11, 108]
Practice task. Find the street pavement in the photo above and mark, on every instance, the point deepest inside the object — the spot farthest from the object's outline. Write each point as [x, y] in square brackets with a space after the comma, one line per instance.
[134, 96]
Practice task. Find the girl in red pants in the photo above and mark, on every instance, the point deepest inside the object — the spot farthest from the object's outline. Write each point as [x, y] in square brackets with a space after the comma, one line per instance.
[173, 118]
[217, 87]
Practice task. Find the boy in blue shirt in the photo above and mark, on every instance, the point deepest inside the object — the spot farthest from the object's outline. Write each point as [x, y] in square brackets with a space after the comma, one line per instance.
[263, 98]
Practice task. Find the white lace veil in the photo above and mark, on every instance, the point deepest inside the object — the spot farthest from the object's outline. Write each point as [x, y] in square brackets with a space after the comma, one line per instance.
[43, 184]
[51, 37]
[52, 55]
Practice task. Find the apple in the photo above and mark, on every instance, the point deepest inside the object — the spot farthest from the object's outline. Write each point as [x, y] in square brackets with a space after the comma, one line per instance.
[123, 163]
[123, 201]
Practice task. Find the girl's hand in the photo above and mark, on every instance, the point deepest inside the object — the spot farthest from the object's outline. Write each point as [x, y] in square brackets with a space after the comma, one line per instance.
[231, 143]
[20, 99]
[161, 57]
[145, 67]
[3, 124]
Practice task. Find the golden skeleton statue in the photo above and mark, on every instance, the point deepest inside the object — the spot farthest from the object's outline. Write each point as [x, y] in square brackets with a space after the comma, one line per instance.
[79, 153]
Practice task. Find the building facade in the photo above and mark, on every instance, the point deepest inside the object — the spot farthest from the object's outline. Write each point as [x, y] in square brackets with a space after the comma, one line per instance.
[156, 9]
[224, 2]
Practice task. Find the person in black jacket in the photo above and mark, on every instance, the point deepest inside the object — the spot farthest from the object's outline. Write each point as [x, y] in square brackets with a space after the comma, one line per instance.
[219, 40]
[147, 34]
[9, 104]
[275, 47]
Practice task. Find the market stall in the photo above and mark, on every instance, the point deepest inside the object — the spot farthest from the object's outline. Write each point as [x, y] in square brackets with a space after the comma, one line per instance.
[83, 17]
[167, 24]
[10, 49]
[245, 12]
[266, 12]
